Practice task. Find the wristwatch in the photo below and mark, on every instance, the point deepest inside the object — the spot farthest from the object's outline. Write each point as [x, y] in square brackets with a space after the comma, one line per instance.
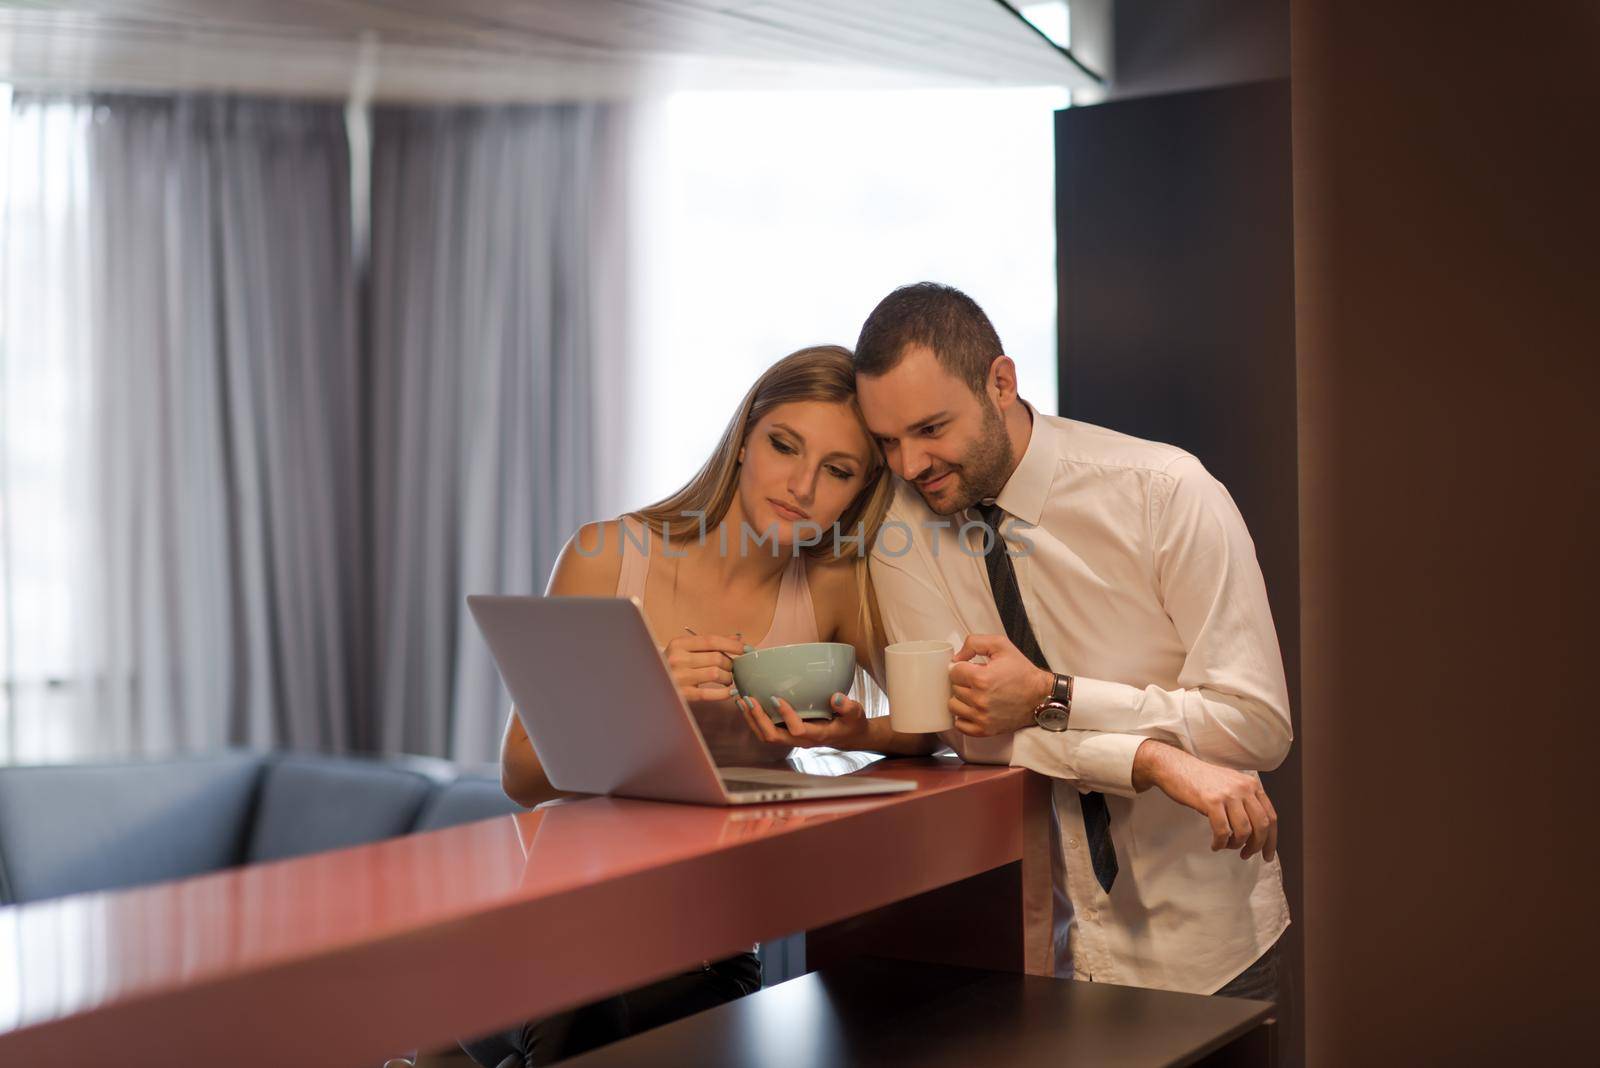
[1053, 712]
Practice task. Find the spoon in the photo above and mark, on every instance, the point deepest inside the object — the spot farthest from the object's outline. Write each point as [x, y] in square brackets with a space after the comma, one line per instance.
[747, 646]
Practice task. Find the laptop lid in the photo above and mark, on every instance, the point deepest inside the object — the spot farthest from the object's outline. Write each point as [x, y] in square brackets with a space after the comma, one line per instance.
[596, 698]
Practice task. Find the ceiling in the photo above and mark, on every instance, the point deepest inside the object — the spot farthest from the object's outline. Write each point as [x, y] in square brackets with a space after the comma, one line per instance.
[477, 50]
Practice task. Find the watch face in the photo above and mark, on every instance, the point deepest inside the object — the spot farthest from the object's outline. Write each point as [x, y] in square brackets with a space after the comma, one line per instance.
[1051, 716]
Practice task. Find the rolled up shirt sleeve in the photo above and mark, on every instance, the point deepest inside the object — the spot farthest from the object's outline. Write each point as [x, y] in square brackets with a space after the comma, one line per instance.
[1095, 760]
[1231, 704]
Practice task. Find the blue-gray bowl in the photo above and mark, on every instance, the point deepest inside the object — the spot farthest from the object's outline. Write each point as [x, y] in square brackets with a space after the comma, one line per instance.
[806, 675]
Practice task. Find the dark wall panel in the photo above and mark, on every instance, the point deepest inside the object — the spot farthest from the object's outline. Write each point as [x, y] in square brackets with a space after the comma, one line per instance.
[1448, 308]
[1176, 274]
[1165, 47]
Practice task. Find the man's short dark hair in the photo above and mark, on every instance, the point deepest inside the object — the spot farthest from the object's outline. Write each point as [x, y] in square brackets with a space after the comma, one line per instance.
[940, 317]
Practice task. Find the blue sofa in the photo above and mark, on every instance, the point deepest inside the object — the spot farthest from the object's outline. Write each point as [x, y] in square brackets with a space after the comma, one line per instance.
[66, 829]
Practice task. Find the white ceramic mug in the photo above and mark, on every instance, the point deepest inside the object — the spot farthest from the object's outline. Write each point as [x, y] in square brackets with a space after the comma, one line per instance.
[919, 686]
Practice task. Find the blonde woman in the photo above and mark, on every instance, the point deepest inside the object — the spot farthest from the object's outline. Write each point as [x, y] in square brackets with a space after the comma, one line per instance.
[762, 567]
[746, 553]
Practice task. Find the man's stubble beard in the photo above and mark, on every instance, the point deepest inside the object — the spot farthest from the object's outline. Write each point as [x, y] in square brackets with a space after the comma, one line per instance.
[985, 467]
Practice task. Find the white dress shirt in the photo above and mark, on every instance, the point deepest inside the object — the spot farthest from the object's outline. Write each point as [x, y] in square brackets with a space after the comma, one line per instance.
[1141, 581]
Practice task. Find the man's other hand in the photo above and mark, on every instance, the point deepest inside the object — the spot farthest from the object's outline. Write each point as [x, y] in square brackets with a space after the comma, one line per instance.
[1238, 809]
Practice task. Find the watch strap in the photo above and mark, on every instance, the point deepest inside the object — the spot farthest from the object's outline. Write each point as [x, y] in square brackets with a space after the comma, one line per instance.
[1061, 690]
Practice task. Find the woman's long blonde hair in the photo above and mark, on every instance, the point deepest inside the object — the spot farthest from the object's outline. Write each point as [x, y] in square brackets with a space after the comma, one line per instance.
[818, 373]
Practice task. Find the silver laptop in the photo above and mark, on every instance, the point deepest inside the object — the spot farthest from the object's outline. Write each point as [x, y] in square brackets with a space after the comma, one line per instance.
[599, 706]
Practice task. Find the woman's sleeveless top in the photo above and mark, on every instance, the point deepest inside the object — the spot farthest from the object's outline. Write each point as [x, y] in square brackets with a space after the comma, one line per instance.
[795, 621]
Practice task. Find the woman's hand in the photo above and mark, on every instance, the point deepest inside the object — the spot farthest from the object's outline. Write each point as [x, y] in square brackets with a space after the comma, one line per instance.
[849, 729]
[702, 665]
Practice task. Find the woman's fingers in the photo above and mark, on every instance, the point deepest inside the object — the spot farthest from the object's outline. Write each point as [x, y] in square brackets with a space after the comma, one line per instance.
[703, 684]
[758, 720]
[795, 730]
[798, 728]
[683, 660]
[720, 644]
[749, 720]
[707, 693]
[844, 705]
[726, 645]
[714, 675]
[702, 665]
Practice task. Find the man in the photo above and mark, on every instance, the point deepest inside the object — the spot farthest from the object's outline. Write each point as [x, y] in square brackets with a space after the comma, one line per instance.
[1115, 630]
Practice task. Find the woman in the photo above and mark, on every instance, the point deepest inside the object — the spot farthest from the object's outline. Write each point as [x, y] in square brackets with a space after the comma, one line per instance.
[795, 467]
[794, 464]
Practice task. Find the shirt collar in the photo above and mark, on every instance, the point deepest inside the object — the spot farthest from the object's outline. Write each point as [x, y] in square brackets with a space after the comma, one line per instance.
[1025, 491]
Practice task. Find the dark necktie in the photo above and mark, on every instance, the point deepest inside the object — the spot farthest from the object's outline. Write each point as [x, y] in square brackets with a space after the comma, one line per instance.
[1014, 615]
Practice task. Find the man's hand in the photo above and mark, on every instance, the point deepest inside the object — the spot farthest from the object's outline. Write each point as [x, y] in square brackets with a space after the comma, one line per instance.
[998, 697]
[1240, 813]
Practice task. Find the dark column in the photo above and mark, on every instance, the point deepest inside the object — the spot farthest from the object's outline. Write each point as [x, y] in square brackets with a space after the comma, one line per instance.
[1446, 244]
[1176, 273]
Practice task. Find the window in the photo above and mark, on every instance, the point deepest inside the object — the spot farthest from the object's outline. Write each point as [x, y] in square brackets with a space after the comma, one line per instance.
[43, 219]
[771, 221]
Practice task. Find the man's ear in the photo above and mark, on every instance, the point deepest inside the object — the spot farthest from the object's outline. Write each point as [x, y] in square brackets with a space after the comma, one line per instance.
[1003, 381]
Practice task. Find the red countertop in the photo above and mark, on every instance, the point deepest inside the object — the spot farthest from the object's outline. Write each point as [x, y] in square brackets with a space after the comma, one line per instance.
[352, 956]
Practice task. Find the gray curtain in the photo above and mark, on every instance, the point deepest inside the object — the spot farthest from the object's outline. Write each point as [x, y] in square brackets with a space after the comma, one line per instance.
[228, 505]
[278, 488]
[492, 328]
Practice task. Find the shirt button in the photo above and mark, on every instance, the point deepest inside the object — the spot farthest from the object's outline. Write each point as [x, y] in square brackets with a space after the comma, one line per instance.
[1072, 843]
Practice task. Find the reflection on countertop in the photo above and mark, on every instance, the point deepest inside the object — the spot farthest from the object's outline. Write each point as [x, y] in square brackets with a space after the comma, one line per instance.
[67, 956]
